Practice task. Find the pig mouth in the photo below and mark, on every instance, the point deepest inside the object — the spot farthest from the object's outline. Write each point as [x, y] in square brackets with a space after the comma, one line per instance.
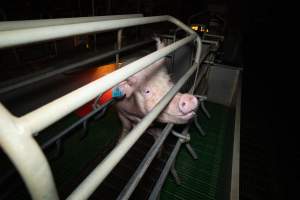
[185, 117]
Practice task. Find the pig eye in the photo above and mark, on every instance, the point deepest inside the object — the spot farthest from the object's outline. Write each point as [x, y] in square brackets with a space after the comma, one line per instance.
[147, 91]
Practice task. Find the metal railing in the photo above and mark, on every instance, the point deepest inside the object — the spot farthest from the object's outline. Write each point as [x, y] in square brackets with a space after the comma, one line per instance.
[16, 134]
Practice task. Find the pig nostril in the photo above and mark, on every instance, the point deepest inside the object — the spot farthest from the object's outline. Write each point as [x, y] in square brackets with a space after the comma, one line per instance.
[183, 104]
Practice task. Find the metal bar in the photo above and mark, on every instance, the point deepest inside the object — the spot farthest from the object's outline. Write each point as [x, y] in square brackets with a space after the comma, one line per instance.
[175, 175]
[213, 35]
[76, 124]
[26, 36]
[26, 24]
[91, 182]
[140, 171]
[71, 66]
[210, 42]
[119, 44]
[235, 171]
[61, 134]
[191, 151]
[27, 156]
[36, 120]
[155, 192]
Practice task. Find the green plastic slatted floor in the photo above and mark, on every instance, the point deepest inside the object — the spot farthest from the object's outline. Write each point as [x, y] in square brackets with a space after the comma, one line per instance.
[207, 177]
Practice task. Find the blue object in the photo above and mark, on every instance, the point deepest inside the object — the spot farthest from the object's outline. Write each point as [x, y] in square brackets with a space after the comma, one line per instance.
[116, 92]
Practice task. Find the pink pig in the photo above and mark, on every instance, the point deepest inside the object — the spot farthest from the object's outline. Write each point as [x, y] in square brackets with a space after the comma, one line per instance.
[144, 90]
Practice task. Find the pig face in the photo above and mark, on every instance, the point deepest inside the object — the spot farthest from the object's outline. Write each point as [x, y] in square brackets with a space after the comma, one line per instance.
[147, 92]
[147, 87]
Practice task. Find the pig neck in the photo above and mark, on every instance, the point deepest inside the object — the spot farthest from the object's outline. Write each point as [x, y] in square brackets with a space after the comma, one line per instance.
[129, 108]
[161, 79]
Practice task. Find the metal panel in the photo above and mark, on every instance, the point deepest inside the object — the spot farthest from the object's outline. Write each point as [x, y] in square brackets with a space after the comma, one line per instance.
[235, 171]
[222, 81]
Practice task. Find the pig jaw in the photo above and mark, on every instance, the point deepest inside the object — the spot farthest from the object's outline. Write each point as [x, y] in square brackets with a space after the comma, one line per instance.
[180, 110]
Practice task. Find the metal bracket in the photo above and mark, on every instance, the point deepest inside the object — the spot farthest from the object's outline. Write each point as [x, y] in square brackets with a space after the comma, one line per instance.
[201, 100]
[201, 131]
[185, 140]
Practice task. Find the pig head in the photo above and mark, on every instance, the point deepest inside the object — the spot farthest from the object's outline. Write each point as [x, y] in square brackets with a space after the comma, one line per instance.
[145, 89]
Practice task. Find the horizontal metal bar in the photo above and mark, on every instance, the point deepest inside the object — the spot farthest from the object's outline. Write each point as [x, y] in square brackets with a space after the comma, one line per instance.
[11, 25]
[36, 120]
[60, 135]
[76, 124]
[140, 171]
[27, 157]
[155, 192]
[71, 66]
[26, 36]
[210, 42]
[213, 35]
[91, 182]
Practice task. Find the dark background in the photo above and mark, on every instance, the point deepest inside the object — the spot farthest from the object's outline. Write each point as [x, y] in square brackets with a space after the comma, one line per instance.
[251, 42]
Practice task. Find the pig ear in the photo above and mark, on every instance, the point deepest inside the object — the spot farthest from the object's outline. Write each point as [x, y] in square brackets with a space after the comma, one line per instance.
[159, 43]
[128, 86]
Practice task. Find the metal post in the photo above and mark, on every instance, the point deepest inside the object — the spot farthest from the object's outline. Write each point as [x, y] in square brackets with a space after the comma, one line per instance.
[119, 44]
[235, 171]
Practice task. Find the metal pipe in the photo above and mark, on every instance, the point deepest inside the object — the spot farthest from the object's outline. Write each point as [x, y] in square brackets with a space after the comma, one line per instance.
[27, 156]
[26, 24]
[213, 35]
[26, 36]
[216, 43]
[91, 182]
[235, 171]
[36, 120]
[16, 37]
[60, 135]
[155, 192]
[71, 66]
[119, 44]
[140, 171]
[74, 125]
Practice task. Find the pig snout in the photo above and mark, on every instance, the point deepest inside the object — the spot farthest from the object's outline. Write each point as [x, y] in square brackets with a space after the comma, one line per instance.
[187, 103]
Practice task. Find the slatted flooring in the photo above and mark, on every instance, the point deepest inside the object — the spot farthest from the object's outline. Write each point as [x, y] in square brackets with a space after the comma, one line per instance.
[204, 178]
